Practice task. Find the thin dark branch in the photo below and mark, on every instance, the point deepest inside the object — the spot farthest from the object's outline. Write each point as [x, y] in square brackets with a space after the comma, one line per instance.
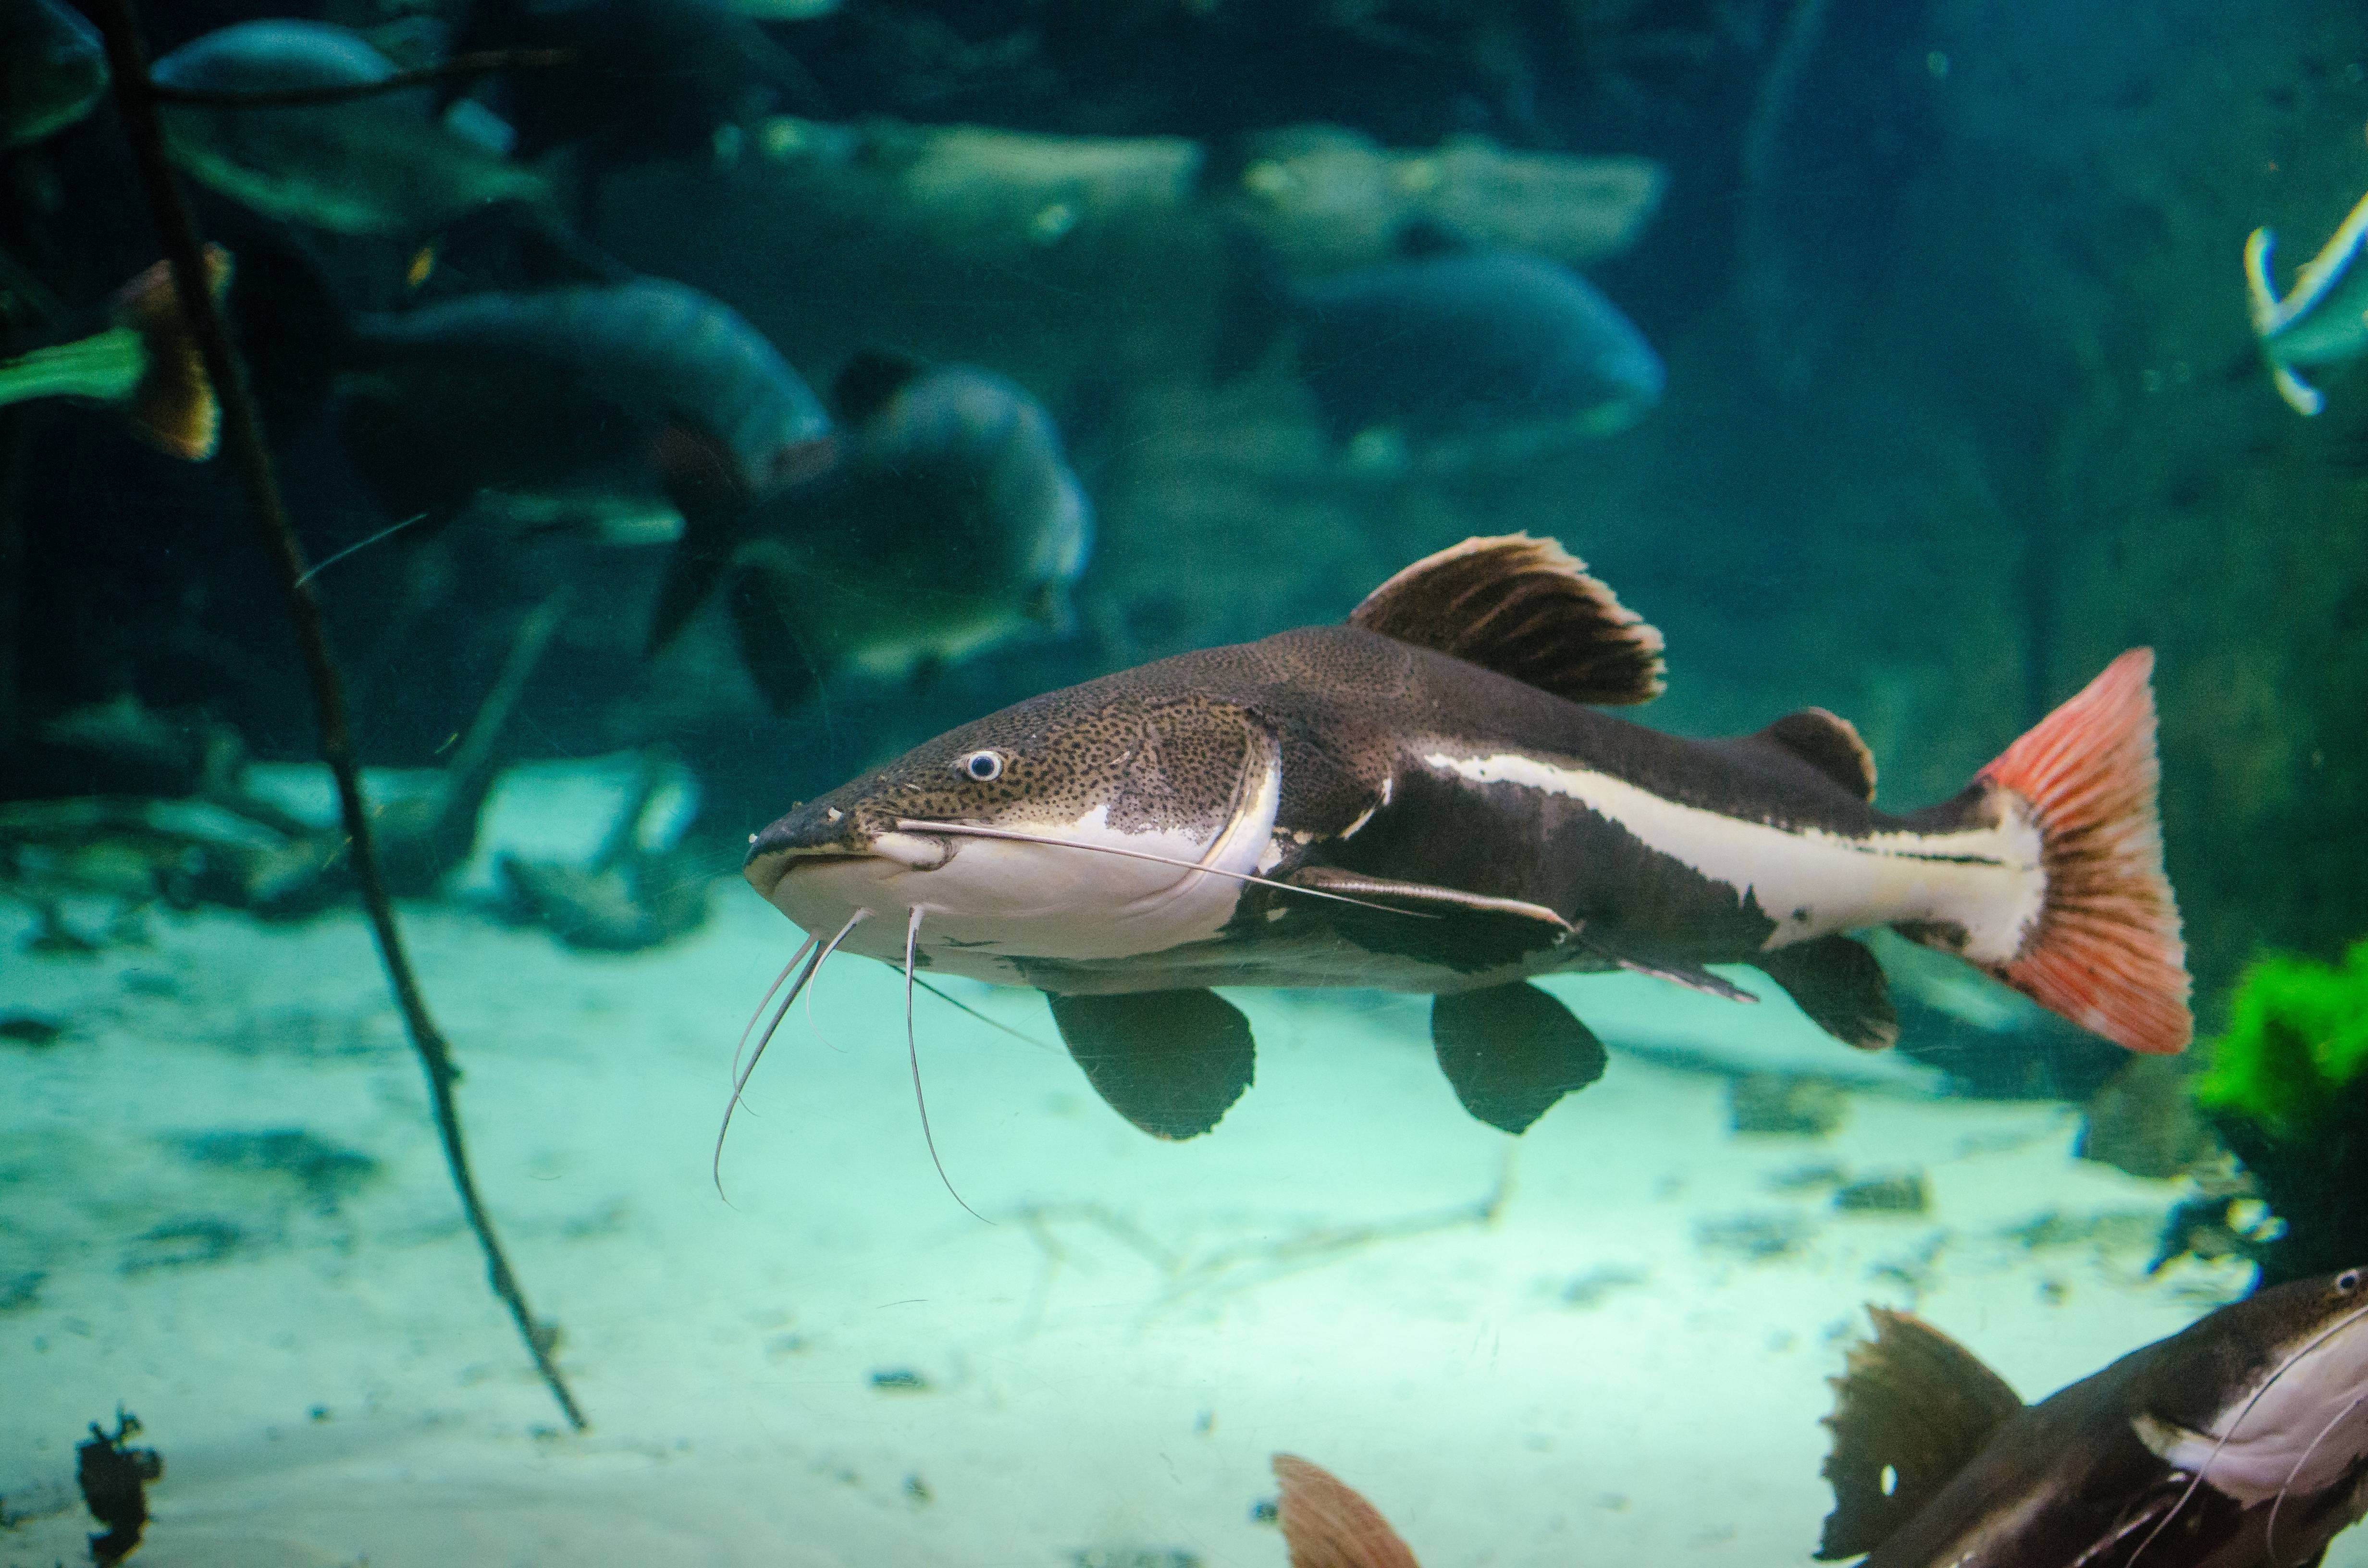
[243, 438]
[484, 63]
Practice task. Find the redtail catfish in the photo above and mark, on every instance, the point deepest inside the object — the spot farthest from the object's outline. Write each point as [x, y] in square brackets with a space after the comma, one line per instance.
[1429, 799]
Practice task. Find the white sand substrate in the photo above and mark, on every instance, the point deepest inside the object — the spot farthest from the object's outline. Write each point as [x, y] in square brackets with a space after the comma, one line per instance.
[1598, 1375]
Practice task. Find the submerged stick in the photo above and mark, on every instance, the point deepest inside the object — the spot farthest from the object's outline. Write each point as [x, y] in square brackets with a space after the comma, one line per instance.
[242, 439]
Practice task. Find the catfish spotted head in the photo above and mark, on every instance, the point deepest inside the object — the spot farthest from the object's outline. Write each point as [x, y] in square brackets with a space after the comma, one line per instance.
[1079, 826]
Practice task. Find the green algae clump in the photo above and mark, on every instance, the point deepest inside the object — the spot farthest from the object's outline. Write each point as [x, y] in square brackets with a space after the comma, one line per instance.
[2297, 1038]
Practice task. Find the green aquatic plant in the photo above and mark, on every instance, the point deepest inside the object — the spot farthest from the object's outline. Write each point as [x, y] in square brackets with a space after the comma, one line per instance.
[2287, 1091]
[2297, 1038]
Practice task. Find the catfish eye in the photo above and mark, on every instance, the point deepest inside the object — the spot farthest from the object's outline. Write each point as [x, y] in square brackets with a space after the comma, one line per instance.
[984, 766]
[2347, 1282]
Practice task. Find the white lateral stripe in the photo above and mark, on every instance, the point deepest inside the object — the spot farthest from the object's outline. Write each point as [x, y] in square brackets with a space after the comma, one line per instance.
[1986, 880]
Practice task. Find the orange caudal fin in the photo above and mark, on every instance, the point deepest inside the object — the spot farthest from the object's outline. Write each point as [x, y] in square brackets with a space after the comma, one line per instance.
[172, 406]
[2105, 950]
[1327, 1525]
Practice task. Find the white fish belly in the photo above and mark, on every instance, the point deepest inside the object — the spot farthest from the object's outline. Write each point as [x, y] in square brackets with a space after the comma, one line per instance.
[1812, 882]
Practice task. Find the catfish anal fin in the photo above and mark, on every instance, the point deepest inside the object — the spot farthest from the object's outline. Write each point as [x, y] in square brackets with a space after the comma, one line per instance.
[1839, 985]
[1511, 1052]
[1524, 607]
[1172, 1063]
[1915, 1402]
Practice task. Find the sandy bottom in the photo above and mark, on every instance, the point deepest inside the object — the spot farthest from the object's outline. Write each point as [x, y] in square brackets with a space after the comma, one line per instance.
[1620, 1361]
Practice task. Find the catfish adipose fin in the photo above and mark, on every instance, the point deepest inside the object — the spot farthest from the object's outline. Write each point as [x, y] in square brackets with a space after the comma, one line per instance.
[1433, 798]
[1172, 1063]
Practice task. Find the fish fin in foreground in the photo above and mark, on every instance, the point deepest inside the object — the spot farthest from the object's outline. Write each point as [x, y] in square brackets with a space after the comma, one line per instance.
[1172, 1063]
[1327, 1524]
[1526, 609]
[1838, 984]
[1913, 1405]
[2104, 951]
[1511, 1052]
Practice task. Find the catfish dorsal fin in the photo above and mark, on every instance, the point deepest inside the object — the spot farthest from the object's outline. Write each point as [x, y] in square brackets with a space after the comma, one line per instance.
[1911, 1402]
[1829, 743]
[1524, 607]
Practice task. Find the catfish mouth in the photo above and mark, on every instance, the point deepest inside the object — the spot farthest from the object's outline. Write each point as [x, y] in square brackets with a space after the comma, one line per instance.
[776, 852]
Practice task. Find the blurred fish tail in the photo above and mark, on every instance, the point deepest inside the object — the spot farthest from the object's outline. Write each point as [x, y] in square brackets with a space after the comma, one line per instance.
[146, 364]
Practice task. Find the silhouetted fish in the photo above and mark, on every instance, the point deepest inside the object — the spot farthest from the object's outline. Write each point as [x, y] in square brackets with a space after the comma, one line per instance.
[2240, 1441]
[1427, 800]
[2323, 319]
[384, 165]
[1463, 354]
[52, 69]
[143, 363]
[949, 523]
[645, 78]
[590, 402]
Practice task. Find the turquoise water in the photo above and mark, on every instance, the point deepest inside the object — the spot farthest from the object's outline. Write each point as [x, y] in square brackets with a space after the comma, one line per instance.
[1895, 356]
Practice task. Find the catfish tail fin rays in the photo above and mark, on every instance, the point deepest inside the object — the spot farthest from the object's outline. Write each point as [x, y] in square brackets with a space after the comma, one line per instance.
[2105, 950]
[1327, 1524]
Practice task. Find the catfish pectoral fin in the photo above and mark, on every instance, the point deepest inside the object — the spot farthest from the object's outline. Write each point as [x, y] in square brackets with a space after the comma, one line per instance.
[1172, 1063]
[1840, 986]
[1511, 1052]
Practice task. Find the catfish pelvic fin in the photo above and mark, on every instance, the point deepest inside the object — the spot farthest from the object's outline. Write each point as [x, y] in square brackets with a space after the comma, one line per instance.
[1524, 607]
[1840, 986]
[1511, 1052]
[1172, 1063]
[1911, 1401]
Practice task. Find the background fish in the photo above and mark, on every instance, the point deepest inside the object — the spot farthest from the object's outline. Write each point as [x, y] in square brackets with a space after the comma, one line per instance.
[2240, 1441]
[596, 401]
[1457, 353]
[144, 364]
[52, 69]
[647, 78]
[949, 523]
[385, 165]
[2322, 320]
[1427, 800]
